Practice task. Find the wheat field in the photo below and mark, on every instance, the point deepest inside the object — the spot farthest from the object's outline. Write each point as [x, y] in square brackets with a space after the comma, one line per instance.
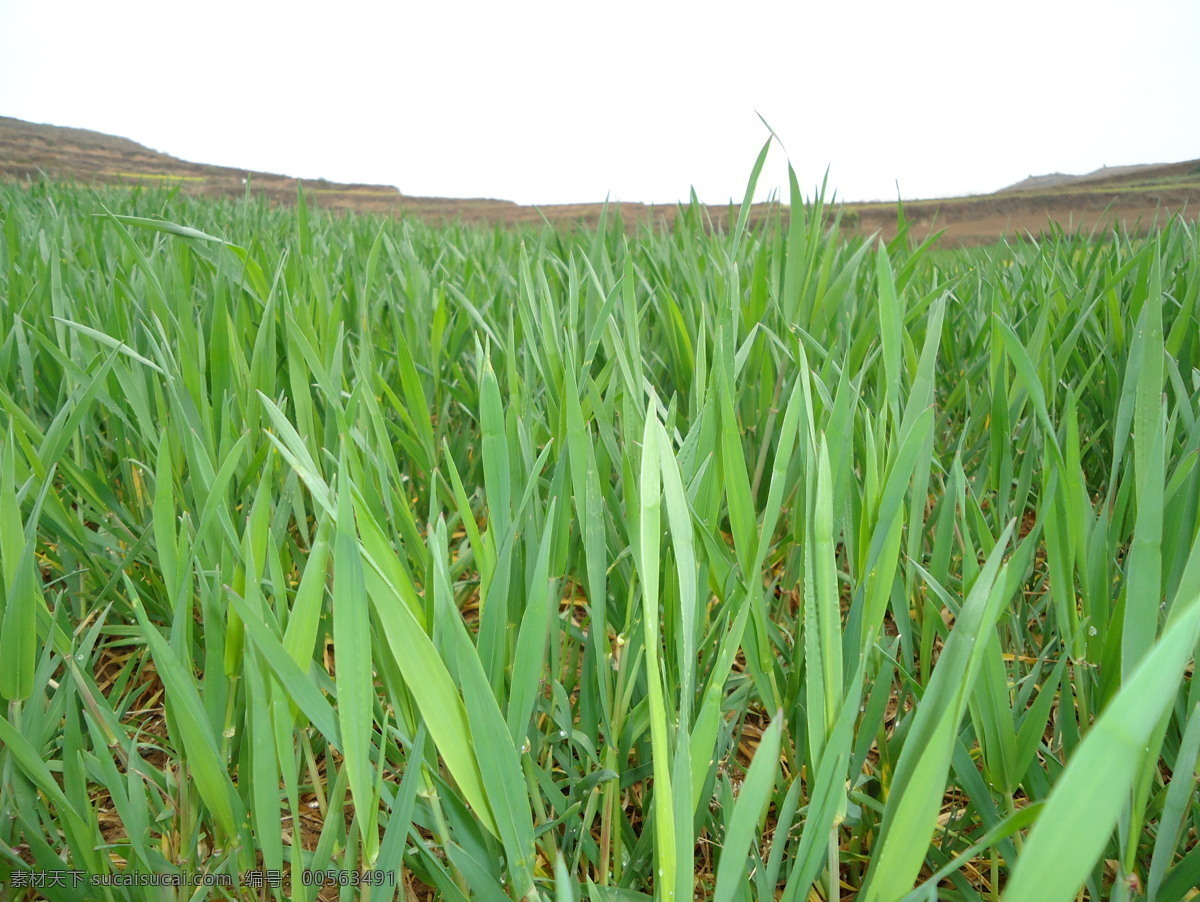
[349, 558]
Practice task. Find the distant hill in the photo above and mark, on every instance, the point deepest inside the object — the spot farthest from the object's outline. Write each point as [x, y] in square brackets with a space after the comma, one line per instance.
[1133, 194]
[28, 149]
[1115, 176]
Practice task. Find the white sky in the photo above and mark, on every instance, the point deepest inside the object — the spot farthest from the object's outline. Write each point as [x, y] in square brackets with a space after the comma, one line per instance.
[555, 102]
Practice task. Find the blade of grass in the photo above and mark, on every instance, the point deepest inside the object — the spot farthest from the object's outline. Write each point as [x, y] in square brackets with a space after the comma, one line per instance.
[1081, 811]
[748, 811]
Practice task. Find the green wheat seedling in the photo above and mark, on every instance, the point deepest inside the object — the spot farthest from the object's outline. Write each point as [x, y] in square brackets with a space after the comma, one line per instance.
[730, 560]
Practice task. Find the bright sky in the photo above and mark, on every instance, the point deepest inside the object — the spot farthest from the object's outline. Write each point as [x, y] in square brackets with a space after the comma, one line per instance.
[559, 101]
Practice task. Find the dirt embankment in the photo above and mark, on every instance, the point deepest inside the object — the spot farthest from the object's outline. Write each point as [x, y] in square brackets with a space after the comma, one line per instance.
[1138, 196]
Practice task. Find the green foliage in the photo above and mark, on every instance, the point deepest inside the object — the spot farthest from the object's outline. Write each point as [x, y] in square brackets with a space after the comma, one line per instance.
[547, 564]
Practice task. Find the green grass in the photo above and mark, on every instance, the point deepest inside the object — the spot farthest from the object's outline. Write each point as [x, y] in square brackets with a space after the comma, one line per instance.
[753, 565]
[163, 176]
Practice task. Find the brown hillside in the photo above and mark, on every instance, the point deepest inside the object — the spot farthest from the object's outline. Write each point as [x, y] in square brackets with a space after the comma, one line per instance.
[1135, 195]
